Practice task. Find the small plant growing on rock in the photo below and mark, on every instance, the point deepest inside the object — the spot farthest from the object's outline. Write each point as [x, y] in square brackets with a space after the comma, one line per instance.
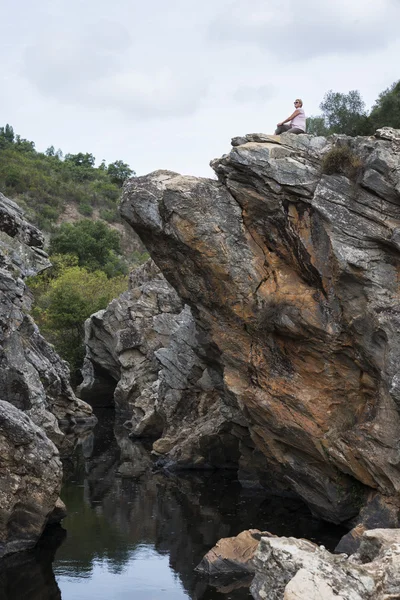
[343, 161]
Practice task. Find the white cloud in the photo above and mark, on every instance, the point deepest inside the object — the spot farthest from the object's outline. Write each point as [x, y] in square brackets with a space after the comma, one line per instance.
[142, 82]
[293, 30]
[97, 65]
[247, 94]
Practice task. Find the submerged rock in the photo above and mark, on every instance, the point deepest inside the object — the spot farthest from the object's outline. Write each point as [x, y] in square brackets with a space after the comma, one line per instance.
[291, 275]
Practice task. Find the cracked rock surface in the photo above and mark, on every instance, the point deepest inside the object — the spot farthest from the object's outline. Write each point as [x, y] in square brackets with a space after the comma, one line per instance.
[292, 276]
[166, 381]
[37, 405]
[31, 476]
[32, 375]
[293, 569]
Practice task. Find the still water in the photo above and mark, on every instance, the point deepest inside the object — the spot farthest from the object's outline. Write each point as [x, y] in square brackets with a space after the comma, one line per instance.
[133, 533]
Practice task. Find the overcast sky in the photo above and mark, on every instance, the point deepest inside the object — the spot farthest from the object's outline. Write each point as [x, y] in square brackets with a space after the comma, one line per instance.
[165, 84]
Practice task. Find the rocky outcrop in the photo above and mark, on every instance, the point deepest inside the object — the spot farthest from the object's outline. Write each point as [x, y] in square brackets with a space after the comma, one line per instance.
[32, 376]
[31, 476]
[232, 557]
[146, 345]
[291, 274]
[293, 569]
[37, 404]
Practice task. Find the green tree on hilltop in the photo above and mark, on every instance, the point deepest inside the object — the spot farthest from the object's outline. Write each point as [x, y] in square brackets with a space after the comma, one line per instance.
[119, 172]
[81, 160]
[7, 134]
[345, 113]
[386, 110]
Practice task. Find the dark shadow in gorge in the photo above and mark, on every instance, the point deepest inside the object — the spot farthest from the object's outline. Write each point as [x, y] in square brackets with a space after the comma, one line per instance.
[29, 575]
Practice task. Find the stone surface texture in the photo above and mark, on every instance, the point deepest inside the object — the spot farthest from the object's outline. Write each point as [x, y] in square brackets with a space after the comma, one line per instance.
[292, 278]
[32, 375]
[38, 409]
[232, 556]
[293, 569]
[146, 345]
[30, 476]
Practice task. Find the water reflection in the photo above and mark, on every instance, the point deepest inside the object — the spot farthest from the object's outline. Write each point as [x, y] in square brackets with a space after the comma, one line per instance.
[29, 575]
[141, 537]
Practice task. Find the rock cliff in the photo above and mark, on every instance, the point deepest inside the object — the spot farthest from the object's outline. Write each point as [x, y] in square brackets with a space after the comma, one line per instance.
[289, 262]
[147, 346]
[32, 375]
[38, 408]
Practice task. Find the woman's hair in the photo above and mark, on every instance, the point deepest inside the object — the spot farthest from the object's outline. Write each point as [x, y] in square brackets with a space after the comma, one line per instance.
[300, 101]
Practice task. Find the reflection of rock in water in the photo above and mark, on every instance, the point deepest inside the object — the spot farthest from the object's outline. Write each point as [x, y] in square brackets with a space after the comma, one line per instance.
[182, 515]
[29, 575]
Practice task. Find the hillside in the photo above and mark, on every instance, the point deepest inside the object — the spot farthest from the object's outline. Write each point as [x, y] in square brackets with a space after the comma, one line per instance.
[52, 188]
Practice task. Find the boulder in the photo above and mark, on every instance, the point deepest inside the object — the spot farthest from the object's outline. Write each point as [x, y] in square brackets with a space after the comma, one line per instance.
[293, 569]
[232, 557]
[31, 477]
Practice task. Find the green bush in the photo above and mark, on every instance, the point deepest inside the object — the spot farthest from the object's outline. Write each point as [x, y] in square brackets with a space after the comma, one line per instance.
[109, 215]
[85, 209]
[93, 242]
[66, 295]
[341, 160]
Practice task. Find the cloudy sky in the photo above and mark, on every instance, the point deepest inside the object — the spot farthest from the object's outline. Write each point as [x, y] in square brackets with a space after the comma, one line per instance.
[167, 83]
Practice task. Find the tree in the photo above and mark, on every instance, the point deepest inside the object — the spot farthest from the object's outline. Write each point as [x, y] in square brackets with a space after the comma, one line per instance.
[23, 145]
[316, 126]
[50, 151]
[81, 160]
[66, 299]
[386, 110]
[7, 133]
[119, 172]
[345, 113]
[96, 245]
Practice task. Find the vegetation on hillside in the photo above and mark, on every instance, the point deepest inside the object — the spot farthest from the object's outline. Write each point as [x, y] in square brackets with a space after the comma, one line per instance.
[44, 182]
[87, 273]
[347, 113]
[66, 296]
[88, 267]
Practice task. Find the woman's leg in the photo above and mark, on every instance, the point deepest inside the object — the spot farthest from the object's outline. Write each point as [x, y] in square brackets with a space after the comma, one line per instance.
[281, 129]
[294, 130]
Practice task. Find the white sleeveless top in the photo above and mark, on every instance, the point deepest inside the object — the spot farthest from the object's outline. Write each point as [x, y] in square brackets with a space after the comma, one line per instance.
[300, 120]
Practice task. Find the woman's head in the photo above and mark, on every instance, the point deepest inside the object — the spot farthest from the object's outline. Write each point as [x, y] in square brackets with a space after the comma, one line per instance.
[298, 102]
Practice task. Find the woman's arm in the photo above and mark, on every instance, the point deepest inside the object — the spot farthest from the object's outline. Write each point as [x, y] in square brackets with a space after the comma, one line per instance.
[292, 116]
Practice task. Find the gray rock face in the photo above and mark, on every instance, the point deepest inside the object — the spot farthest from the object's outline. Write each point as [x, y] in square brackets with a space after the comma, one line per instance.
[166, 382]
[292, 277]
[32, 376]
[293, 569]
[31, 476]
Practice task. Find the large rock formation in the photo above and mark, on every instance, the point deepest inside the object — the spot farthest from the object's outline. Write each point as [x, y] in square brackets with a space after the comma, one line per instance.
[292, 276]
[37, 404]
[32, 375]
[31, 476]
[147, 345]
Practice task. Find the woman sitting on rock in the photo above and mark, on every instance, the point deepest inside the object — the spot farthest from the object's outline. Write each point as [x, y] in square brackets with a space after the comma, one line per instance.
[297, 120]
